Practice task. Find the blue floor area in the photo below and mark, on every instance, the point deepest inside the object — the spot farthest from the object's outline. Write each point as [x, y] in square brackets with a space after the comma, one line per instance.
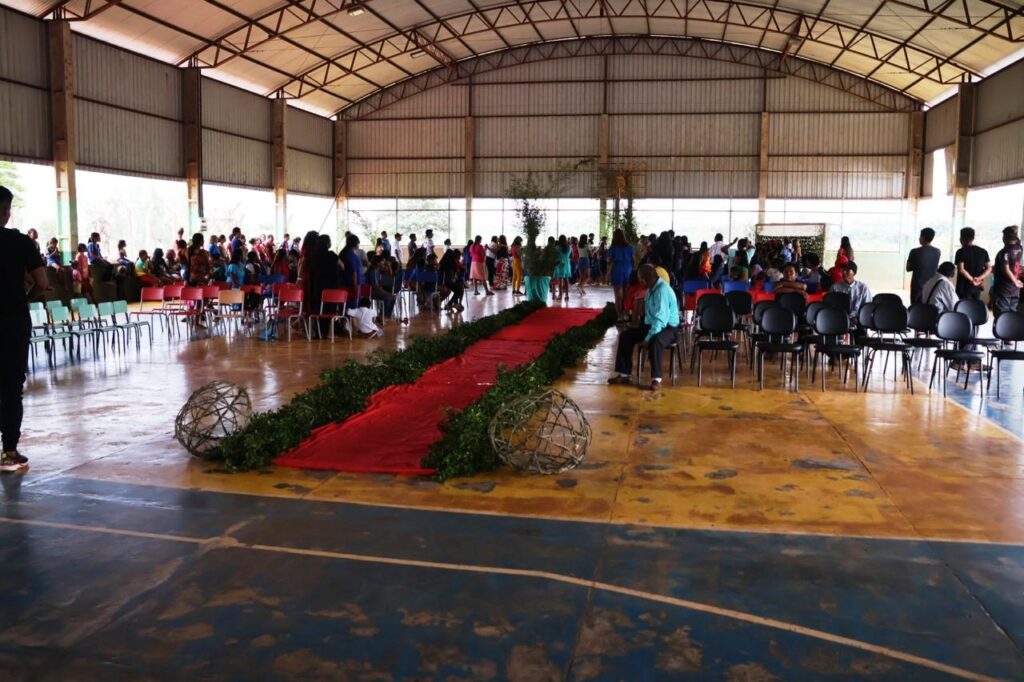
[81, 603]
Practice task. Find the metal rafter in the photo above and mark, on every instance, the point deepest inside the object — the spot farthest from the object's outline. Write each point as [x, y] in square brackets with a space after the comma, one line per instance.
[765, 60]
[77, 10]
[261, 31]
[847, 38]
[1001, 13]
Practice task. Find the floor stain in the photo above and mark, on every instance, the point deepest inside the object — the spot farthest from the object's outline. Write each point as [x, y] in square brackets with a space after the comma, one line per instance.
[720, 474]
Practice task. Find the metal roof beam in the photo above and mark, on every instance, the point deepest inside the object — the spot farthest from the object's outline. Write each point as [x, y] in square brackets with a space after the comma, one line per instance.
[885, 97]
[77, 10]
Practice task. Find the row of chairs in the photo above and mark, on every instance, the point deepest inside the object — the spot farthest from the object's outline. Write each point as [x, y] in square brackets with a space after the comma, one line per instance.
[789, 328]
[53, 322]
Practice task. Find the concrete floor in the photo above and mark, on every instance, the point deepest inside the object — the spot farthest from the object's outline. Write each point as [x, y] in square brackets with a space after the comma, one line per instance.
[711, 534]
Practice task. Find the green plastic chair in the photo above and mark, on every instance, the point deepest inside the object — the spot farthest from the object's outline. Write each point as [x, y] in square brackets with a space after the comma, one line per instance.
[76, 304]
[121, 308]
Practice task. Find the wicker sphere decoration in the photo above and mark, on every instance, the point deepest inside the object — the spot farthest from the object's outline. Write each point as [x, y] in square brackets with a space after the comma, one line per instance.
[216, 410]
[545, 433]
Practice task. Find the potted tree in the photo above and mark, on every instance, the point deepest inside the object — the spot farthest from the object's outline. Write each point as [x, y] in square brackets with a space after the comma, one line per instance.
[538, 261]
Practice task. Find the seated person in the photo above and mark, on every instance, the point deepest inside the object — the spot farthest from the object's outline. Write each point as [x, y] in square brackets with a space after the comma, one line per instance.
[633, 302]
[811, 273]
[143, 270]
[235, 273]
[218, 272]
[54, 258]
[659, 329]
[939, 291]
[375, 278]
[774, 271]
[849, 284]
[789, 283]
[738, 274]
[717, 271]
[450, 278]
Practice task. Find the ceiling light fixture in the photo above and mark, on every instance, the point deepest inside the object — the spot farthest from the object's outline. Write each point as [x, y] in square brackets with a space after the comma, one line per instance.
[356, 11]
[416, 54]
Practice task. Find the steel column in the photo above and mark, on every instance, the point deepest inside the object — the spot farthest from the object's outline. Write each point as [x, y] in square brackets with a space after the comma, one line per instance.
[279, 156]
[62, 122]
[192, 138]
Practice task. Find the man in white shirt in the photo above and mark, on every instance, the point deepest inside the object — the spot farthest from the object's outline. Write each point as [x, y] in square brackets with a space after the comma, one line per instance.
[491, 254]
[428, 243]
[858, 291]
[397, 250]
[939, 290]
[720, 248]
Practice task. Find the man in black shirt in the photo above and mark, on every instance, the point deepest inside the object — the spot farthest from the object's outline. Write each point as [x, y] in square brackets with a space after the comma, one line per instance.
[923, 263]
[1006, 290]
[973, 267]
[19, 261]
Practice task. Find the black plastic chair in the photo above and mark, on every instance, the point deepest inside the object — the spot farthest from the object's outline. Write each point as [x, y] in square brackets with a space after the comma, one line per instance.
[978, 314]
[838, 299]
[675, 357]
[890, 322]
[879, 299]
[793, 302]
[957, 330]
[742, 305]
[779, 324]
[830, 326]
[756, 334]
[921, 320]
[1009, 328]
[718, 323]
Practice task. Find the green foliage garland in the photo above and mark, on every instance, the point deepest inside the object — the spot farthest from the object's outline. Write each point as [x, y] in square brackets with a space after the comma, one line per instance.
[465, 449]
[345, 390]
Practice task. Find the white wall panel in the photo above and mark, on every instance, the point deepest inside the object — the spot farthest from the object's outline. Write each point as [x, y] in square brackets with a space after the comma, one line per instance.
[537, 99]
[25, 127]
[118, 140]
[23, 49]
[817, 177]
[108, 74]
[310, 173]
[444, 101]
[406, 138]
[419, 178]
[685, 135]
[1001, 98]
[838, 134]
[231, 110]
[999, 155]
[308, 132]
[574, 137]
[234, 160]
[940, 125]
[684, 96]
[493, 175]
[799, 94]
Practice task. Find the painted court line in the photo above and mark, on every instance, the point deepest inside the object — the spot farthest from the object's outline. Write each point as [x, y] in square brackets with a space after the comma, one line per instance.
[227, 542]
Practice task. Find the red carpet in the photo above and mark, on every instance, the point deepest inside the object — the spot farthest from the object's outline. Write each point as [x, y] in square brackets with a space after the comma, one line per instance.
[395, 431]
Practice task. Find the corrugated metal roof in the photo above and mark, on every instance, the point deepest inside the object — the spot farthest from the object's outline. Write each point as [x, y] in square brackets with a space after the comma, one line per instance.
[234, 160]
[309, 132]
[999, 156]
[684, 96]
[574, 137]
[24, 56]
[940, 125]
[839, 134]
[685, 135]
[537, 99]
[309, 173]
[114, 139]
[922, 47]
[406, 139]
[25, 113]
[232, 110]
[1001, 98]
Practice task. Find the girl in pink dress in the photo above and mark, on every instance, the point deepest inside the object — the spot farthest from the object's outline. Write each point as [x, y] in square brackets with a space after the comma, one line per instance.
[478, 268]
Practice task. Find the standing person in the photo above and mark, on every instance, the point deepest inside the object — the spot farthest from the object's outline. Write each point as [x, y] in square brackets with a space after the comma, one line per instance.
[214, 247]
[516, 253]
[584, 265]
[602, 258]
[398, 252]
[34, 236]
[19, 261]
[719, 247]
[620, 267]
[972, 266]
[304, 270]
[491, 258]
[199, 262]
[845, 253]
[502, 268]
[385, 243]
[428, 242]
[1007, 286]
[412, 252]
[478, 267]
[923, 262]
[563, 271]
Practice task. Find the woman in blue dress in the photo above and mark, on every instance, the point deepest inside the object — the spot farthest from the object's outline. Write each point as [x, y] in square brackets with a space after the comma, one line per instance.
[620, 267]
[563, 271]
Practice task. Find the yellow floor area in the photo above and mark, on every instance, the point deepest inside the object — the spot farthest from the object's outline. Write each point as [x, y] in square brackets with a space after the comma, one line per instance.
[880, 464]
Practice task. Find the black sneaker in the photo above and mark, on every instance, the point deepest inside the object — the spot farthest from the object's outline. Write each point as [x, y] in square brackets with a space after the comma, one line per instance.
[12, 462]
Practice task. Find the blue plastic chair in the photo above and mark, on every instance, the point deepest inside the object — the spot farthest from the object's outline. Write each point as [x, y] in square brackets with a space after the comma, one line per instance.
[730, 286]
[769, 287]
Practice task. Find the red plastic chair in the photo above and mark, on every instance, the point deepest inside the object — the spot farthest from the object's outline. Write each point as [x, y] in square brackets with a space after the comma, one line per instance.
[759, 296]
[151, 295]
[816, 297]
[337, 297]
[211, 292]
[222, 285]
[191, 302]
[172, 298]
[289, 307]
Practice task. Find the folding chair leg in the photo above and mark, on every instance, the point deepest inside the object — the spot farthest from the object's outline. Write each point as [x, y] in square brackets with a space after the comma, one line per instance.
[700, 366]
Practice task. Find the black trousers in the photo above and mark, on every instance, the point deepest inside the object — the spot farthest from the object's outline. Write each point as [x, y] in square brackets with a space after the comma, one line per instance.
[14, 342]
[491, 268]
[629, 339]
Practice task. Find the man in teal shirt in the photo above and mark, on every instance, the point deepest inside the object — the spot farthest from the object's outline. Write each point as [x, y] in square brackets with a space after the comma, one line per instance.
[659, 330]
